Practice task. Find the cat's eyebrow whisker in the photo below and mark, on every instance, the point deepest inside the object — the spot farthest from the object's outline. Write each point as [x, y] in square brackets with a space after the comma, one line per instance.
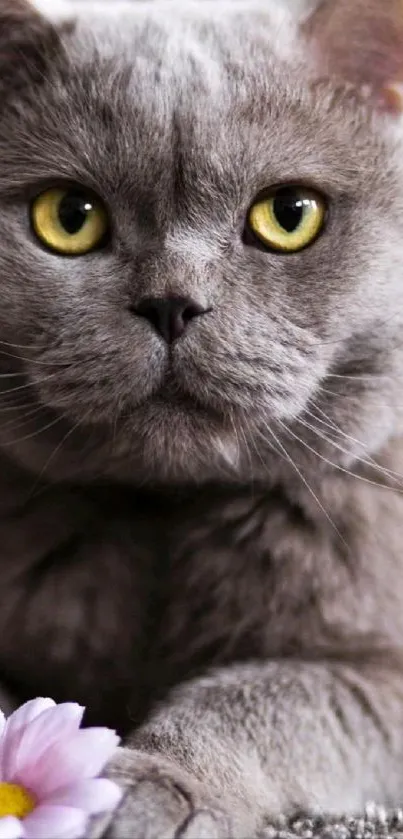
[306, 483]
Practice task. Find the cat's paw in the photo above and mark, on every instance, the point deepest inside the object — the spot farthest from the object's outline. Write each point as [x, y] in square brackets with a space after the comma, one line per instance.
[162, 801]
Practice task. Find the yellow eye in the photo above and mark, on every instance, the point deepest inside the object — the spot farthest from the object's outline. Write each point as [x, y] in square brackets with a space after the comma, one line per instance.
[289, 219]
[70, 222]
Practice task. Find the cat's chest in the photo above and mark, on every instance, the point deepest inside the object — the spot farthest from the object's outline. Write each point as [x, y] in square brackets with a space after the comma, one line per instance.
[109, 600]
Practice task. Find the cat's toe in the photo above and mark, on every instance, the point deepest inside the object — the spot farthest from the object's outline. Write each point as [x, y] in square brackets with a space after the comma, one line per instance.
[206, 824]
[162, 801]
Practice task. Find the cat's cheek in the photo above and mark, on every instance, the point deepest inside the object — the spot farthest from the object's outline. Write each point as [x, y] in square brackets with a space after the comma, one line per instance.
[98, 387]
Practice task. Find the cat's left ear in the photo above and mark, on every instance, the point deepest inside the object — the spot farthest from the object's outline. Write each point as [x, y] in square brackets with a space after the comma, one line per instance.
[361, 42]
[27, 41]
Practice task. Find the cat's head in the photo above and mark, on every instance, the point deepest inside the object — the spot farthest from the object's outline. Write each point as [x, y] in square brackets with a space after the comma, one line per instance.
[201, 235]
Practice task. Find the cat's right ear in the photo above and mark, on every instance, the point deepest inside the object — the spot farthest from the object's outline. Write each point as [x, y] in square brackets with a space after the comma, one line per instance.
[360, 42]
[27, 42]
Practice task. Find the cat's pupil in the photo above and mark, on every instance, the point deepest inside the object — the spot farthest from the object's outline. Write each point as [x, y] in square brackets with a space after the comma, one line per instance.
[73, 212]
[288, 209]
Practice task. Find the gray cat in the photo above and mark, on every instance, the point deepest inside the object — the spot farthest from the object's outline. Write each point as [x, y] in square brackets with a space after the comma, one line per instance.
[201, 321]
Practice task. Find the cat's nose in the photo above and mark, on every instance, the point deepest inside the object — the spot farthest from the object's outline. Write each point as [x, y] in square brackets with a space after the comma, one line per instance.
[169, 316]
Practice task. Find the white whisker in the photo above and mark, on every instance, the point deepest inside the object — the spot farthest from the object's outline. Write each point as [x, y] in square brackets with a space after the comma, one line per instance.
[307, 485]
[370, 461]
[331, 463]
[34, 434]
[51, 458]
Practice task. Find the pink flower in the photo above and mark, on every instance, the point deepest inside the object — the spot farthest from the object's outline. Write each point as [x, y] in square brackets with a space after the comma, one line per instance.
[48, 772]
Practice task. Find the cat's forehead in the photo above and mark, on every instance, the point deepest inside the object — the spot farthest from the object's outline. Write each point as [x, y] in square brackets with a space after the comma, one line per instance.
[184, 41]
[117, 19]
[149, 85]
[166, 61]
[211, 54]
[205, 63]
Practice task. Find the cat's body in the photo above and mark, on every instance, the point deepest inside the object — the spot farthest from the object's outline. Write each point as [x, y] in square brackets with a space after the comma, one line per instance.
[125, 594]
[225, 508]
[152, 587]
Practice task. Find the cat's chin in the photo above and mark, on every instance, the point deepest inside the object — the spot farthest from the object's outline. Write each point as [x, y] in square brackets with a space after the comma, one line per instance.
[176, 439]
[168, 406]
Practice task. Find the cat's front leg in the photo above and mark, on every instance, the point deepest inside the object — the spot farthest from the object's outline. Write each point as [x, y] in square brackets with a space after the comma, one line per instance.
[246, 743]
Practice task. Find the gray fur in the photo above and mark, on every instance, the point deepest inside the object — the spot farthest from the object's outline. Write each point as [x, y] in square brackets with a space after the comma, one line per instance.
[204, 545]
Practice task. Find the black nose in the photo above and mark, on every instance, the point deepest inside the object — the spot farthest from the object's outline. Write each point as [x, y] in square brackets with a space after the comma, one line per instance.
[169, 315]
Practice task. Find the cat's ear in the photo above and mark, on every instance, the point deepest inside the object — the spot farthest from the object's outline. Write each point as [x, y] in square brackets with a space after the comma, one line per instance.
[27, 41]
[361, 42]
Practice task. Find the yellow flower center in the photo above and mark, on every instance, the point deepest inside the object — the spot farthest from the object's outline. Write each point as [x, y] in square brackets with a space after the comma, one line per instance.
[15, 801]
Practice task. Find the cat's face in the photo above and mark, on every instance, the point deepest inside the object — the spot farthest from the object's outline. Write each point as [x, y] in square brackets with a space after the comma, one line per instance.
[181, 340]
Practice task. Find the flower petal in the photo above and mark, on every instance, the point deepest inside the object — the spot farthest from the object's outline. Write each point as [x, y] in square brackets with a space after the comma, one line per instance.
[26, 747]
[83, 755]
[28, 712]
[17, 722]
[11, 828]
[93, 796]
[52, 822]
